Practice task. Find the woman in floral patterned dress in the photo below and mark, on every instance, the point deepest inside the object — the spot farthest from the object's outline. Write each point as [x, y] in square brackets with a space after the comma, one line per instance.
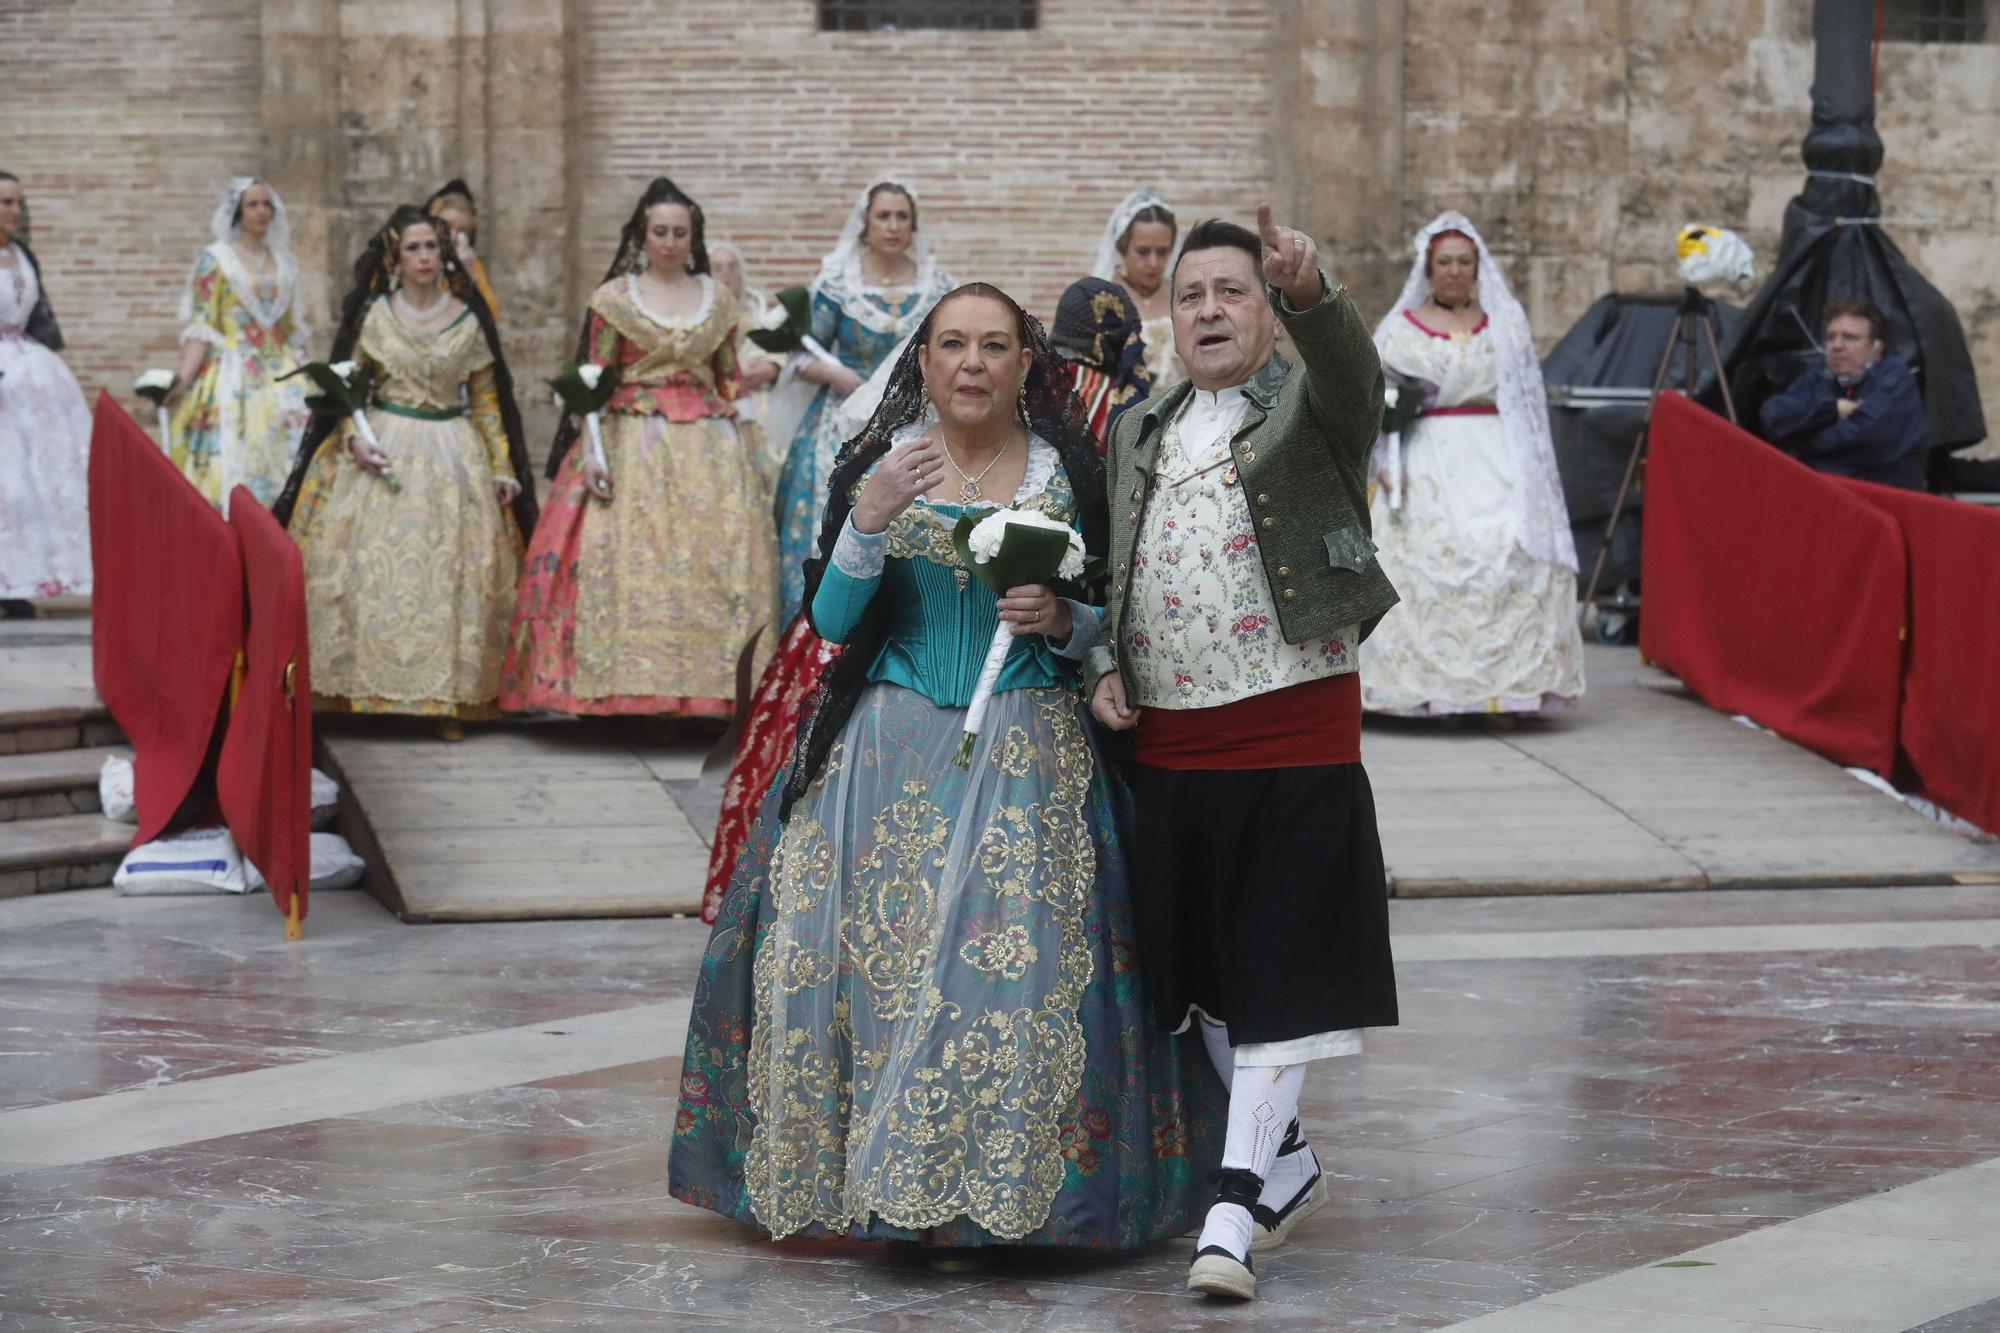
[652, 569]
[412, 541]
[919, 1018]
[233, 423]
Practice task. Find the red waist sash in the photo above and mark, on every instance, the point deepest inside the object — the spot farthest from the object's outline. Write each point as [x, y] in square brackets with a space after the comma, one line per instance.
[1300, 726]
[1469, 410]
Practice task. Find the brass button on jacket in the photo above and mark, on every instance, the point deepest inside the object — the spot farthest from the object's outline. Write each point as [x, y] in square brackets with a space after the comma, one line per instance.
[1270, 521]
[1290, 593]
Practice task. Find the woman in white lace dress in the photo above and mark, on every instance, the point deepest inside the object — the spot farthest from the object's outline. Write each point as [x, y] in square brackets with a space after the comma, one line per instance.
[1468, 510]
[44, 431]
[1137, 252]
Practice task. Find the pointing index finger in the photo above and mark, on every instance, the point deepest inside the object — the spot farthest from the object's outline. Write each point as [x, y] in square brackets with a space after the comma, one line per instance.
[1267, 230]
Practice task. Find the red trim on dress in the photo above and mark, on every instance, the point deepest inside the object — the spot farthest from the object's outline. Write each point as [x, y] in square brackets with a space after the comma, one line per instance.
[1300, 726]
[1484, 320]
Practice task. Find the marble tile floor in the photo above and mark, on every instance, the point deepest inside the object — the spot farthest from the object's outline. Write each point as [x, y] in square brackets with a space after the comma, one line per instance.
[474, 1133]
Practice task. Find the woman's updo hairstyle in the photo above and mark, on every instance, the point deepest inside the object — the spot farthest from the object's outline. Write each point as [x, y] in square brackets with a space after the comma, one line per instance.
[875, 192]
[1150, 213]
[1430, 252]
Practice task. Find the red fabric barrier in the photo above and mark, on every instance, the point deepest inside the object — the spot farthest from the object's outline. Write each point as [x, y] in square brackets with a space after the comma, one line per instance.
[1771, 590]
[1950, 728]
[265, 774]
[167, 611]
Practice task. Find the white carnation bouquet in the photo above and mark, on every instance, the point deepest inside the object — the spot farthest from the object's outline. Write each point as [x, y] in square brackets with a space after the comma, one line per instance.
[1010, 548]
[583, 390]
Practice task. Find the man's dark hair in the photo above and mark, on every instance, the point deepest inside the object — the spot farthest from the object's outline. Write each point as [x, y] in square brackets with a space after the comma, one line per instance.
[1878, 323]
[1221, 234]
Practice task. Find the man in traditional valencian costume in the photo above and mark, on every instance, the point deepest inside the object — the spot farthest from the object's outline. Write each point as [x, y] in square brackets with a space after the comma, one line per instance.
[1243, 582]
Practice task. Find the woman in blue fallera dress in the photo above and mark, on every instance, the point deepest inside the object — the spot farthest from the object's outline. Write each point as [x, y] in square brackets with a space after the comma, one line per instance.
[873, 288]
[919, 1016]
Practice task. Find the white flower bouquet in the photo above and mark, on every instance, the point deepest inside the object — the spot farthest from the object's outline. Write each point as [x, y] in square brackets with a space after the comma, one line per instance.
[154, 386]
[1403, 401]
[584, 389]
[1010, 548]
[345, 390]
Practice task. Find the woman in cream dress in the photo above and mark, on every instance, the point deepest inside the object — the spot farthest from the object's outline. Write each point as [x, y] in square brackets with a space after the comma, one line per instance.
[412, 540]
[1468, 510]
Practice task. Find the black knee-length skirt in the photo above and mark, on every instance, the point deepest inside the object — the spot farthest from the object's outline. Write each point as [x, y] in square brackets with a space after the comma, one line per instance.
[1261, 898]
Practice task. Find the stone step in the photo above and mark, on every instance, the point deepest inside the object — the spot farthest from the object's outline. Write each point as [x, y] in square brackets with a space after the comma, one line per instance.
[37, 729]
[60, 852]
[52, 782]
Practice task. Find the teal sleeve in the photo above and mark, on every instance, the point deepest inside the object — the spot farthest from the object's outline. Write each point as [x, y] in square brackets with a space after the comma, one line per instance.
[853, 573]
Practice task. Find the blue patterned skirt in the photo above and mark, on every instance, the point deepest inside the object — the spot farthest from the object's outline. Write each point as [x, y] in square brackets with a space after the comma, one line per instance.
[920, 1016]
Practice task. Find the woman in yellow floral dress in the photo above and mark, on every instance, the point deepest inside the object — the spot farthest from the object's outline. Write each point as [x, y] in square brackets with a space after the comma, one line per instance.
[233, 423]
[654, 567]
[412, 540]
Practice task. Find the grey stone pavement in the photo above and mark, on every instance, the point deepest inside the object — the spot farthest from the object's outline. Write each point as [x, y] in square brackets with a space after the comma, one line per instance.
[1702, 1110]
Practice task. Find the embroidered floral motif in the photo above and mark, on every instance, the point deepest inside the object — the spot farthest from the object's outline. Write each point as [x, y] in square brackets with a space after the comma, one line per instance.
[1205, 629]
[1003, 953]
[875, 1092]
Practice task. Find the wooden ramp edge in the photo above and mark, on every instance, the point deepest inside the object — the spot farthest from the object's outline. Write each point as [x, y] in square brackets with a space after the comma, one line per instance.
[517, 822]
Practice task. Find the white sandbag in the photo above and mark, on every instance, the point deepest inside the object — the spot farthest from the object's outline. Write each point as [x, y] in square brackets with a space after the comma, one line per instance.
[325, 800]
[196, 860]
[333, 865]
[114, 790]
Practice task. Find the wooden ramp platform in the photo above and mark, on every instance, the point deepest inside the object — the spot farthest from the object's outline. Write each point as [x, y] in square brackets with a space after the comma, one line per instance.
[1642, 787]
[520, 820]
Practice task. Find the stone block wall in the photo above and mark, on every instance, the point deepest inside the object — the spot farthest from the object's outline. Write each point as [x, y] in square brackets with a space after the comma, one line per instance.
[1580, 134]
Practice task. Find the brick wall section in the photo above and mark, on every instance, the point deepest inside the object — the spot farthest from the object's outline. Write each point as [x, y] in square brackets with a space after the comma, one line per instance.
[1019, 143]
[124, 120]
[1580, 134]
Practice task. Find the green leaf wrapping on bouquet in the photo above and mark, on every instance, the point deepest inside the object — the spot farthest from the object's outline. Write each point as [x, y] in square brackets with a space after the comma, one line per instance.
[791, 335]
[1027, 554]
[336, 397]
[1409, 405]
[578, 398]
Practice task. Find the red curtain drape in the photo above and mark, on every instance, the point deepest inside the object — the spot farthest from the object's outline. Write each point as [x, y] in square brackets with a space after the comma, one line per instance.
[1771, 590]
[1950, 722]
[166, 609]
[264, 776]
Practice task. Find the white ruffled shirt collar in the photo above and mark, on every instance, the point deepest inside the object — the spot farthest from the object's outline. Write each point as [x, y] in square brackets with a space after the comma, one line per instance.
[1209, 416]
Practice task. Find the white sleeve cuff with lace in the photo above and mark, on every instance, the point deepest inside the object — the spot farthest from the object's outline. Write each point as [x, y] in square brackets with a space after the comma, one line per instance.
[860, 555]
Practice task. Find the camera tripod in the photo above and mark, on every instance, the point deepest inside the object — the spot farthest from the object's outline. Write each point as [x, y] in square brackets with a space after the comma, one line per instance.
[1694, 327]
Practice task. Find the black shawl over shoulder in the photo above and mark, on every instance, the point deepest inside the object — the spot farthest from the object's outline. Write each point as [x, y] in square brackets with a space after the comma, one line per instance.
[42, 326]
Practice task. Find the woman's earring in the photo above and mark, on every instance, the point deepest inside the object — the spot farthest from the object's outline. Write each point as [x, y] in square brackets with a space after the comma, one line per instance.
[1024, 400]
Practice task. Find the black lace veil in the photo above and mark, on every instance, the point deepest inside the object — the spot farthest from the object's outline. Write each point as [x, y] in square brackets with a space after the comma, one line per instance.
[1052, 411]
[374, 275]
[631, 258]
